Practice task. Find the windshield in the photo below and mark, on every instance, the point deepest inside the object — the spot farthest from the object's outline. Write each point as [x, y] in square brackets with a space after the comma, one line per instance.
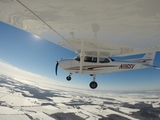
[104, 60]
[77, 58]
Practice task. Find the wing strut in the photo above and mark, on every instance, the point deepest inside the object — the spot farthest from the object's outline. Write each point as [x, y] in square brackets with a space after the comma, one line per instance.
[45, 23]
[82, 56]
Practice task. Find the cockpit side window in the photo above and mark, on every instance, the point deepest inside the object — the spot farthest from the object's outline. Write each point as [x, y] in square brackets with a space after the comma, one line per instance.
[90, 59]
[104, 60]
[94, 59]
[87, 59]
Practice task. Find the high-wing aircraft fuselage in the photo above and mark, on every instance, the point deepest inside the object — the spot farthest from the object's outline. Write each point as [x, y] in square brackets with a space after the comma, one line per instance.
[102, 65]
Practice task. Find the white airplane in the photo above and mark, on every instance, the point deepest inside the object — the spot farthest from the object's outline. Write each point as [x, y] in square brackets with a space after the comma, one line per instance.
[101, 65]
[95, 29]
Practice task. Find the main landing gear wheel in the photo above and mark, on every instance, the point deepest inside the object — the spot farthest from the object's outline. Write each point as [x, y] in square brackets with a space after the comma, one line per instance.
[68, 78]
[93, 85]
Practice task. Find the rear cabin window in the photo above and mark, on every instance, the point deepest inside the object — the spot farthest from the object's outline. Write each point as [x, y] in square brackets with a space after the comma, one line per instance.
[104, 60]
[111, 59]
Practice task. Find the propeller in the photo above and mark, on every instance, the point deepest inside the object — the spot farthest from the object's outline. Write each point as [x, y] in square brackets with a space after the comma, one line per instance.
[56, 68]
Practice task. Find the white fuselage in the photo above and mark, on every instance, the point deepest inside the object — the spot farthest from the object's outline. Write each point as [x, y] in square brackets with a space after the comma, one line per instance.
[73, 66]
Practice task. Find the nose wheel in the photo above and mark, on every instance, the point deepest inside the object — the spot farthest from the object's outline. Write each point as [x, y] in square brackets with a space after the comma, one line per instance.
[69, 77]
[93, 84]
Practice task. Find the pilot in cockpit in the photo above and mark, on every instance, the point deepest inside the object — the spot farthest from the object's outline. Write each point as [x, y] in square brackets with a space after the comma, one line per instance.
[88, 59]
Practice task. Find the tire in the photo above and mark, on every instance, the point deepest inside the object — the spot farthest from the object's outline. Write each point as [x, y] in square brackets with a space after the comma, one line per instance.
[93, 85]
[68, 78]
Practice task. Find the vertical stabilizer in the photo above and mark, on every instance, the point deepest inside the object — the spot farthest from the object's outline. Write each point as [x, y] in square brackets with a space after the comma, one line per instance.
[149, 58]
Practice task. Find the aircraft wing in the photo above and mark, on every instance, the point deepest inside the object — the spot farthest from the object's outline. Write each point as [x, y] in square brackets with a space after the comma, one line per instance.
[99, 27]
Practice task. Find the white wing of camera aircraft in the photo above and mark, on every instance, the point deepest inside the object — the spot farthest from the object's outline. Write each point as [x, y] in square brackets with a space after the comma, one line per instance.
[95, 29]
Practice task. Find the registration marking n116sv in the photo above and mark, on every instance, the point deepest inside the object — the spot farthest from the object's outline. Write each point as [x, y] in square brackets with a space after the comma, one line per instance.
[126, 66]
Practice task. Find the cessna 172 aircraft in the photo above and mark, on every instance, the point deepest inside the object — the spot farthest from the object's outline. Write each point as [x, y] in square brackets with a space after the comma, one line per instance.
[95, 29]
[99, 65]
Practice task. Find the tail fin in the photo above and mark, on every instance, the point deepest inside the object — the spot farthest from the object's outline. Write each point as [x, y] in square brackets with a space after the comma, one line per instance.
[149, 58]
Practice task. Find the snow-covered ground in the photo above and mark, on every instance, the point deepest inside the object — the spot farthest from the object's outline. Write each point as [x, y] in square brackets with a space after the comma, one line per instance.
[27, 101]
[14, 117]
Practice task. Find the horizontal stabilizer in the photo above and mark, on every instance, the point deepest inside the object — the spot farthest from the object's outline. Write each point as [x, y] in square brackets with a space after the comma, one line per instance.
[152, 66]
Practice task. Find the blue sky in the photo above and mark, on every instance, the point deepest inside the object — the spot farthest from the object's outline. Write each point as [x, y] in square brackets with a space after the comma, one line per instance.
[30, 53]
